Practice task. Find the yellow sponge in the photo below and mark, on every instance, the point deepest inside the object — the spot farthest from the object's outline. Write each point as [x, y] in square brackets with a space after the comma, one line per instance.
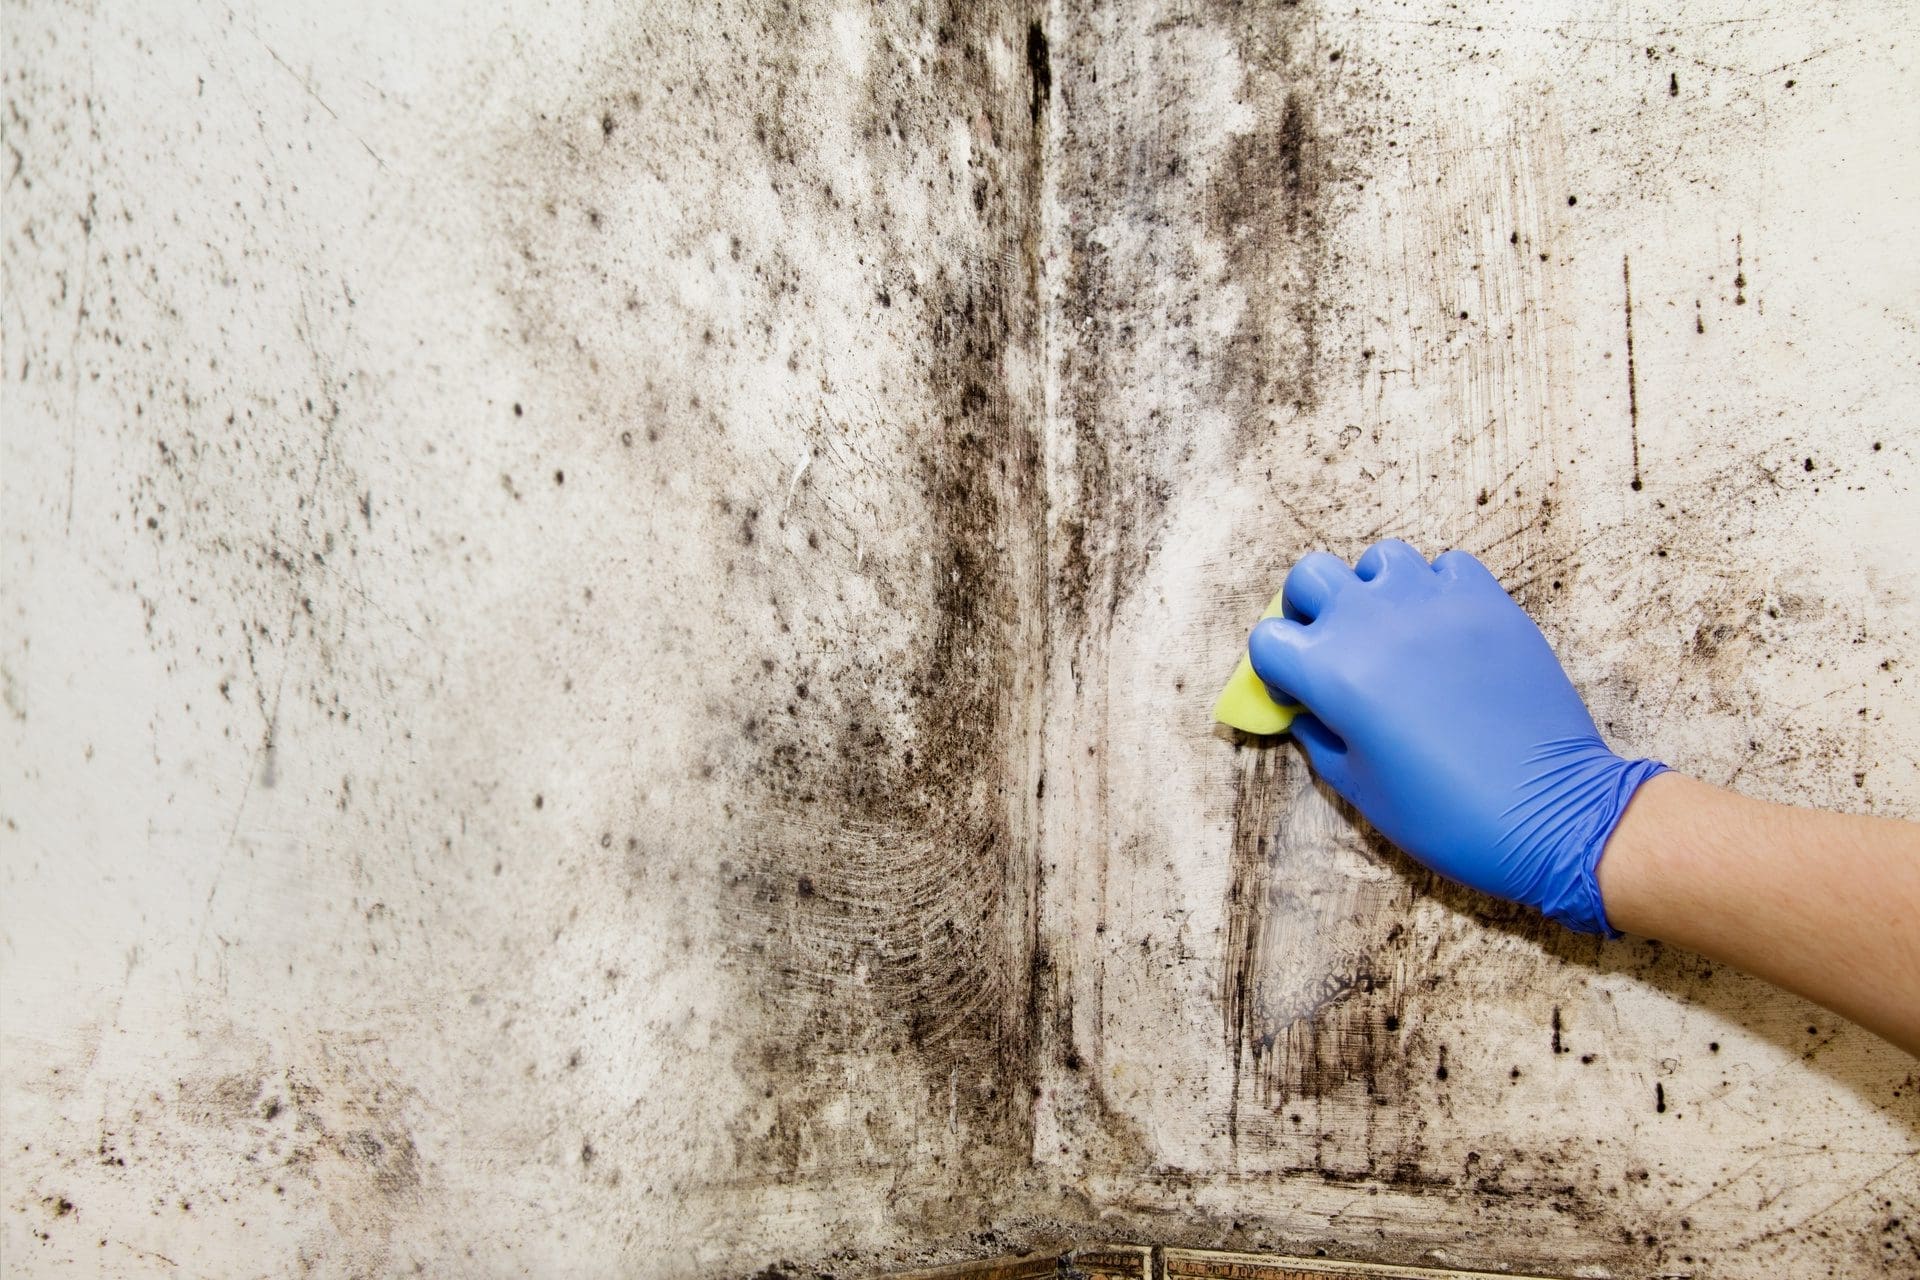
[1245, 705]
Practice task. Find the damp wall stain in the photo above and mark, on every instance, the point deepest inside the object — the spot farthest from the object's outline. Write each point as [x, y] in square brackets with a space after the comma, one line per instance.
[589, 549]
[1309, 305]
[837, 427]
[1316, 951]
[608, 628]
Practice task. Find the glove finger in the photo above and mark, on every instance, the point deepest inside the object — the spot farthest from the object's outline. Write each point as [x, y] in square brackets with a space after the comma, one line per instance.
[1463, 566]
[1325, 752]
[1281, 651]
[1384, 559]
[1314, 583]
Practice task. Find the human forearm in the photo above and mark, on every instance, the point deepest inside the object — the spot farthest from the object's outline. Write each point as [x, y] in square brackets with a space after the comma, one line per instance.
[1437, 708]
[1826, 905]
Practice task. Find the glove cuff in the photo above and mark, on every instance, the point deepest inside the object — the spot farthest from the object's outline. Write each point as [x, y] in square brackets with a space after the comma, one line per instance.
[1581, 909]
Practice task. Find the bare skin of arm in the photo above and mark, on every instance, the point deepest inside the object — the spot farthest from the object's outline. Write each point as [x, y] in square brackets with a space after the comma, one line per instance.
[1826, 905]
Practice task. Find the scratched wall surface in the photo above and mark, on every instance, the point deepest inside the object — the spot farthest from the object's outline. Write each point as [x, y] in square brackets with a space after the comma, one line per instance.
[521, 539]
[608, 617]
[1623, 305]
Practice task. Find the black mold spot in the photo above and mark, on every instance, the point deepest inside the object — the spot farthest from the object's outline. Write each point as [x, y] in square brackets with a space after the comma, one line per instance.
[896, 769]
[1039, 69]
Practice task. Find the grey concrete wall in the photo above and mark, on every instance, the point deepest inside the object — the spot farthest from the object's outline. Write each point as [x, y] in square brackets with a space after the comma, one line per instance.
[609, 617]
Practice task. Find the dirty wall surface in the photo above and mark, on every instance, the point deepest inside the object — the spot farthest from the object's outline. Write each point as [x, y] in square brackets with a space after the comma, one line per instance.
[1624, 306]
[609, 618]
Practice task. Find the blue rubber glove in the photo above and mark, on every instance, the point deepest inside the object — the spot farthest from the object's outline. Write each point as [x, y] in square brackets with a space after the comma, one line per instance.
[1439, 711]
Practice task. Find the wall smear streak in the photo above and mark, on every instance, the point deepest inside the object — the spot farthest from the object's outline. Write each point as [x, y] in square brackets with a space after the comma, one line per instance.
[608, 622]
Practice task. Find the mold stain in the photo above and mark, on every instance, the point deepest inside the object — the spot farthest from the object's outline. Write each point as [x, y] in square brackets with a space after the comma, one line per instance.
[1255, 800]
[1269, 371]
[1311, 993]
[925, 884]
[859, 805]
[1039, 69]
[861, 789]
[1265, 199]
[929, 884]
[1633, 373]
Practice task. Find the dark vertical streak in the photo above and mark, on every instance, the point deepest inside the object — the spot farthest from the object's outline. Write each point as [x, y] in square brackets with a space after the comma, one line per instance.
[1255, 801]
[79, 322]
[1633, 374]
[1039, 69]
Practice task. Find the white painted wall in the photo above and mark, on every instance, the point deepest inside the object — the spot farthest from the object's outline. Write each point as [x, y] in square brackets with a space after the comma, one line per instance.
[439, 447]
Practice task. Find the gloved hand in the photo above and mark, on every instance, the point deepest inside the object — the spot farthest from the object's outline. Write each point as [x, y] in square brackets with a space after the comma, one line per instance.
[1439, 712]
